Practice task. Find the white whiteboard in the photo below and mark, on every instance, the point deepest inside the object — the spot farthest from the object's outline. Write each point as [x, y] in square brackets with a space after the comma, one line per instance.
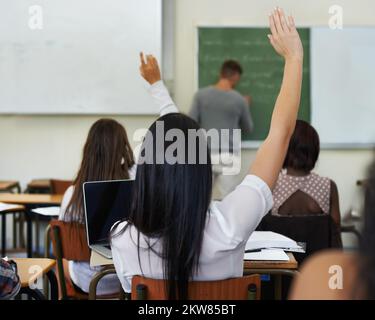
[85, 60]
[343, 85]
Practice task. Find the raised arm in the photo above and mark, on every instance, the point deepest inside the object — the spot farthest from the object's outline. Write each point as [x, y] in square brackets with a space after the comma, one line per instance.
[151, 73]
[286, 42]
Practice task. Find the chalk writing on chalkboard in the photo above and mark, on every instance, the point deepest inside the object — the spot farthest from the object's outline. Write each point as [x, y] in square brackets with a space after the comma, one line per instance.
[263, 69]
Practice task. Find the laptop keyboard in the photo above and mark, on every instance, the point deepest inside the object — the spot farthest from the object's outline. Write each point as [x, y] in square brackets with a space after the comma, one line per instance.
[104, 251]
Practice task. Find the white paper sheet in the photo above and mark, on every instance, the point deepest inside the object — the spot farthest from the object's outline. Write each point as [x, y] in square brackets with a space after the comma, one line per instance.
[48, 211]
[269, 239]
[6, 206]
[267, 255]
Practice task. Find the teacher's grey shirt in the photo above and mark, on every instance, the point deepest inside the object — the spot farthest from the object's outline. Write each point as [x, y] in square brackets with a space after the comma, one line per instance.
[217, 109]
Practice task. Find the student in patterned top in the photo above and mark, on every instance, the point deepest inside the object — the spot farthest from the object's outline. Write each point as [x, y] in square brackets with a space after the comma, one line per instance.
[298, 190]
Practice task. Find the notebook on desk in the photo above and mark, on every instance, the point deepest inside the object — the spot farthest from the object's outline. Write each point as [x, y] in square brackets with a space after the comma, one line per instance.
[268, 239]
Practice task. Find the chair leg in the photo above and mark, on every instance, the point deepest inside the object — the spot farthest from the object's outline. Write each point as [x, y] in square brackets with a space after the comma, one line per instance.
[37, 235]
[33, 293]
[18, 230]
[59, 261]
[95, 280]
[54, 286]
[47, 249]
[21, 230]
[15, 219]
[3, 234]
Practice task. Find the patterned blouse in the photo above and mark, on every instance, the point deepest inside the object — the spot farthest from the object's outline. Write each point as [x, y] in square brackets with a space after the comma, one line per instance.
[315, 186]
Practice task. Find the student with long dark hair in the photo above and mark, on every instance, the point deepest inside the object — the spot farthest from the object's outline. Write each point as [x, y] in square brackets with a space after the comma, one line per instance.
[337, 275]
[174, 231]
[107, 155]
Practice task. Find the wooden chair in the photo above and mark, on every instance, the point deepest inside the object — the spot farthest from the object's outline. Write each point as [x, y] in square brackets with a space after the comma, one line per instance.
[18, 218]
[60, 186]
[69, 242]
[57, 187]
[53, 186]
[245, 288]
[18, 209]
[39, 186]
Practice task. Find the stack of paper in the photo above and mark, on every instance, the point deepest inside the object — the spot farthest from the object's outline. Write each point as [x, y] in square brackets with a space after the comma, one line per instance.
[268, 240]
[48, 211]
[267, 255]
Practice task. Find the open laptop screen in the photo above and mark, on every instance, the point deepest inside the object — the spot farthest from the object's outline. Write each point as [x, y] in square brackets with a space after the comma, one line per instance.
[106, 202]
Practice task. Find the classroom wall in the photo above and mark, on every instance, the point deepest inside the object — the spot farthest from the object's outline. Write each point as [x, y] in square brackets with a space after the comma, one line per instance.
[50, 146]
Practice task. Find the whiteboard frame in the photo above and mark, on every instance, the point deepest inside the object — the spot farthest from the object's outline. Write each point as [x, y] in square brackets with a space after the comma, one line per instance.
[255, 144]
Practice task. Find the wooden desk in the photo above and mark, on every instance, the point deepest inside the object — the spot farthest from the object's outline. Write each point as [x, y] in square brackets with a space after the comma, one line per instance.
[292, 264]
[29, 200]
[9, 186]
[3, 213]
[30, 270]
[279, 269]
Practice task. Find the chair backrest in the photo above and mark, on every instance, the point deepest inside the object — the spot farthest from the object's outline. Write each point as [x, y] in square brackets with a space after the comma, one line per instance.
[60, 186]
[69, 242]
[314, 230]
[244, 288]
[70, 239]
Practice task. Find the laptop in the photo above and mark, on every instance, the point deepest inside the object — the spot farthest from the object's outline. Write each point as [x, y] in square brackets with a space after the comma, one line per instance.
[105, 202]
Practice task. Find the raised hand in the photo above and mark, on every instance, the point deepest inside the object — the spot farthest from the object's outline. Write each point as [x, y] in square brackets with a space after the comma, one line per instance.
[149, 69]
[285, 38]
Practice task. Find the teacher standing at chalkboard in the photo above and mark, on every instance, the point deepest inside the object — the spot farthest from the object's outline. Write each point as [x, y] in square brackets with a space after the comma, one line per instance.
[221, 107]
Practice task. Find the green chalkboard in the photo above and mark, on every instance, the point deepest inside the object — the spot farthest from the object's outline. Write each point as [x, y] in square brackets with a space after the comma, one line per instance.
[263, 69]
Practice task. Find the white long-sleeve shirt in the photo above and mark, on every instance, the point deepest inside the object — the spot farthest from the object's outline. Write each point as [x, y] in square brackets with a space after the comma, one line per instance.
[229, 225]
